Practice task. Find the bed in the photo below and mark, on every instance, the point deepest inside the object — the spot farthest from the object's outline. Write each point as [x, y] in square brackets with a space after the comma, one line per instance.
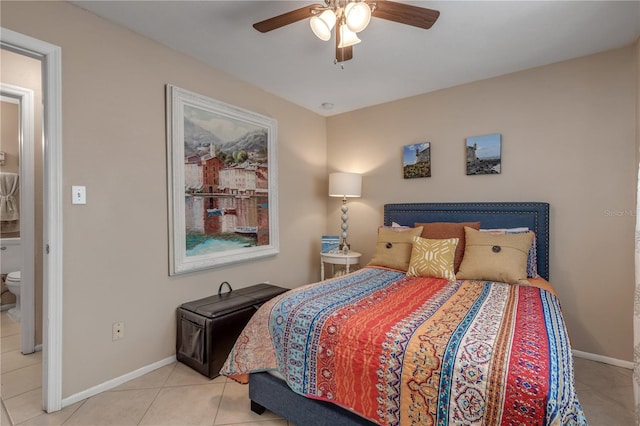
[391, 344]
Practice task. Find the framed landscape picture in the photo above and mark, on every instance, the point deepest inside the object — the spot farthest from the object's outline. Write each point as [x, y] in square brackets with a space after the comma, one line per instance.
[416, 160]
[484, 154]
[222, 182]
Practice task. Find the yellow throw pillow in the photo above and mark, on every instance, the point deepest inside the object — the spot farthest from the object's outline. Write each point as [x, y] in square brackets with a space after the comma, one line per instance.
[433, 258]
[393, 248]
[438, 230]
[501, 258]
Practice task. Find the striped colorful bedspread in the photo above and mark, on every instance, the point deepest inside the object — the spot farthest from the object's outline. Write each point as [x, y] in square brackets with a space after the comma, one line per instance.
[418, 351]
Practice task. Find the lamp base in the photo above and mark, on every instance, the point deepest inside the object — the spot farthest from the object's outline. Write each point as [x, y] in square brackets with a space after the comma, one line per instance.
[345, 248]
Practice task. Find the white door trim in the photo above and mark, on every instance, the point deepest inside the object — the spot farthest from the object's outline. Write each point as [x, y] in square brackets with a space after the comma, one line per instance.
[24, 98]
[51, 57]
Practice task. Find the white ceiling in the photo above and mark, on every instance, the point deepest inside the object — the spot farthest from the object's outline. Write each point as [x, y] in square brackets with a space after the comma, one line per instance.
[472, 40]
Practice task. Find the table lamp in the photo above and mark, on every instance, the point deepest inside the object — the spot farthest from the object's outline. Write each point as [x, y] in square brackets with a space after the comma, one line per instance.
[345, 185]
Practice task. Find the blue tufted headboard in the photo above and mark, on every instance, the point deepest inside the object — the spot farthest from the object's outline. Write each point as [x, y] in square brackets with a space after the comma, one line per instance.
[533, 215]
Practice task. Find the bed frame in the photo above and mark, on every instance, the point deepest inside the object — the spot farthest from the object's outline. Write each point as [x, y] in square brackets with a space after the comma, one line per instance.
[268, 392]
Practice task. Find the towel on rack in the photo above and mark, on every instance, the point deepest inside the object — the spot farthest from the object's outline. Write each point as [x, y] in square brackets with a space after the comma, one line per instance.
[8, 204]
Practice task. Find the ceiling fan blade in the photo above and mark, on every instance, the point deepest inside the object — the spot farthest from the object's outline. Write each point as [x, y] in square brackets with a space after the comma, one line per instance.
[342, 53]
[405, 14]
[286, 18]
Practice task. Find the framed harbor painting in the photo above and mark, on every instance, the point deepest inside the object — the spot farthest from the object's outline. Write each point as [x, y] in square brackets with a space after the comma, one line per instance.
[222, 183]
[484, 155]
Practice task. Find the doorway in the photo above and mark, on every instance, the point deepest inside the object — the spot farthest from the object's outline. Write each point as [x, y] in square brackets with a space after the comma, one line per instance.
[24, 98]
[50, 57]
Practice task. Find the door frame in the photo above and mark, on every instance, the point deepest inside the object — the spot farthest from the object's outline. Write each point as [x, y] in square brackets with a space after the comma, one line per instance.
[24, 98]
[51, 58]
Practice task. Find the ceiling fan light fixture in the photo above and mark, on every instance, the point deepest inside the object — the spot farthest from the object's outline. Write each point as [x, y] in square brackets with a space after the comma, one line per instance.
[347, 37]
[357, 15]
[322, 24]
[347, 17]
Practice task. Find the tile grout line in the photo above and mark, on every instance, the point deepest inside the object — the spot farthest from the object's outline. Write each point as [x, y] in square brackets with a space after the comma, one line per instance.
[4, 407]
[21, 394]
[150, 404]
[74, 411]
[24, 366]
[30, 418]
[220, 402]
[175, 365]
[3, 374]
[162, 386]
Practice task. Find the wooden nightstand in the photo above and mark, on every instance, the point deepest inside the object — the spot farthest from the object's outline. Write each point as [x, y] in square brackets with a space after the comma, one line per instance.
[351, 258]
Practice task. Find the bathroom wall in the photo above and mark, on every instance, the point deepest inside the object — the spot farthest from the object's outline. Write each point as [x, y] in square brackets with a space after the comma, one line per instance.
[23, 71]
[9, 144]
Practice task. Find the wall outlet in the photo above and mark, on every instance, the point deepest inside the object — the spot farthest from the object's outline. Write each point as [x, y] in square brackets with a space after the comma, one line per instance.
[117, 330]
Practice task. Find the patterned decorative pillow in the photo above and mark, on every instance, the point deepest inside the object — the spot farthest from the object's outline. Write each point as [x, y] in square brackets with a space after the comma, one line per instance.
[495, 257]
[393, 248]
[433, 258]
[439, 230]
[532, 260]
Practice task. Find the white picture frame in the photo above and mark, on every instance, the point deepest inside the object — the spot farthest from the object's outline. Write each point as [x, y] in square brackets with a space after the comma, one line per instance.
[222, 183]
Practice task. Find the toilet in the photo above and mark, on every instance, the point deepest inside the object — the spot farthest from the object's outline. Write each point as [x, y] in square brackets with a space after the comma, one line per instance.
[13, 284]
[11, 264]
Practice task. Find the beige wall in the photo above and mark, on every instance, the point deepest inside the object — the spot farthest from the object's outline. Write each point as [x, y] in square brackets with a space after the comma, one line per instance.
[116, 246]
[568, 138]
[26, 72]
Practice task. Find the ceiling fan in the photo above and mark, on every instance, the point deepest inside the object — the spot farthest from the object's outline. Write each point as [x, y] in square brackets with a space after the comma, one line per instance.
[349, 17]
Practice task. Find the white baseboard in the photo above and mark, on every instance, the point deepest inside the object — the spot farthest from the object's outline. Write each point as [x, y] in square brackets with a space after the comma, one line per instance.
[110, 384]
[604, 359]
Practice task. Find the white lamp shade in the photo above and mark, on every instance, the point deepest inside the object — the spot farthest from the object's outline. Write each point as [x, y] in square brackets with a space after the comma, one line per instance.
[345, 185]
[347, 37]
[322, 24]
[358, 15]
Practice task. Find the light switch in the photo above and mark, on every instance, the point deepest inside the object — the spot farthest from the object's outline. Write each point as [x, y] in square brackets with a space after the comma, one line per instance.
[78, 194]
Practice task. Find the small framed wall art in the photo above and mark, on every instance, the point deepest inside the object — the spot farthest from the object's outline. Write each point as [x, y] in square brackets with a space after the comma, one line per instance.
[484, 154]
[416, 160]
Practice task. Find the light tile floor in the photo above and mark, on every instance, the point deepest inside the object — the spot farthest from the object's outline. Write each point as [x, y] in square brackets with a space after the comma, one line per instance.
[177, 395]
